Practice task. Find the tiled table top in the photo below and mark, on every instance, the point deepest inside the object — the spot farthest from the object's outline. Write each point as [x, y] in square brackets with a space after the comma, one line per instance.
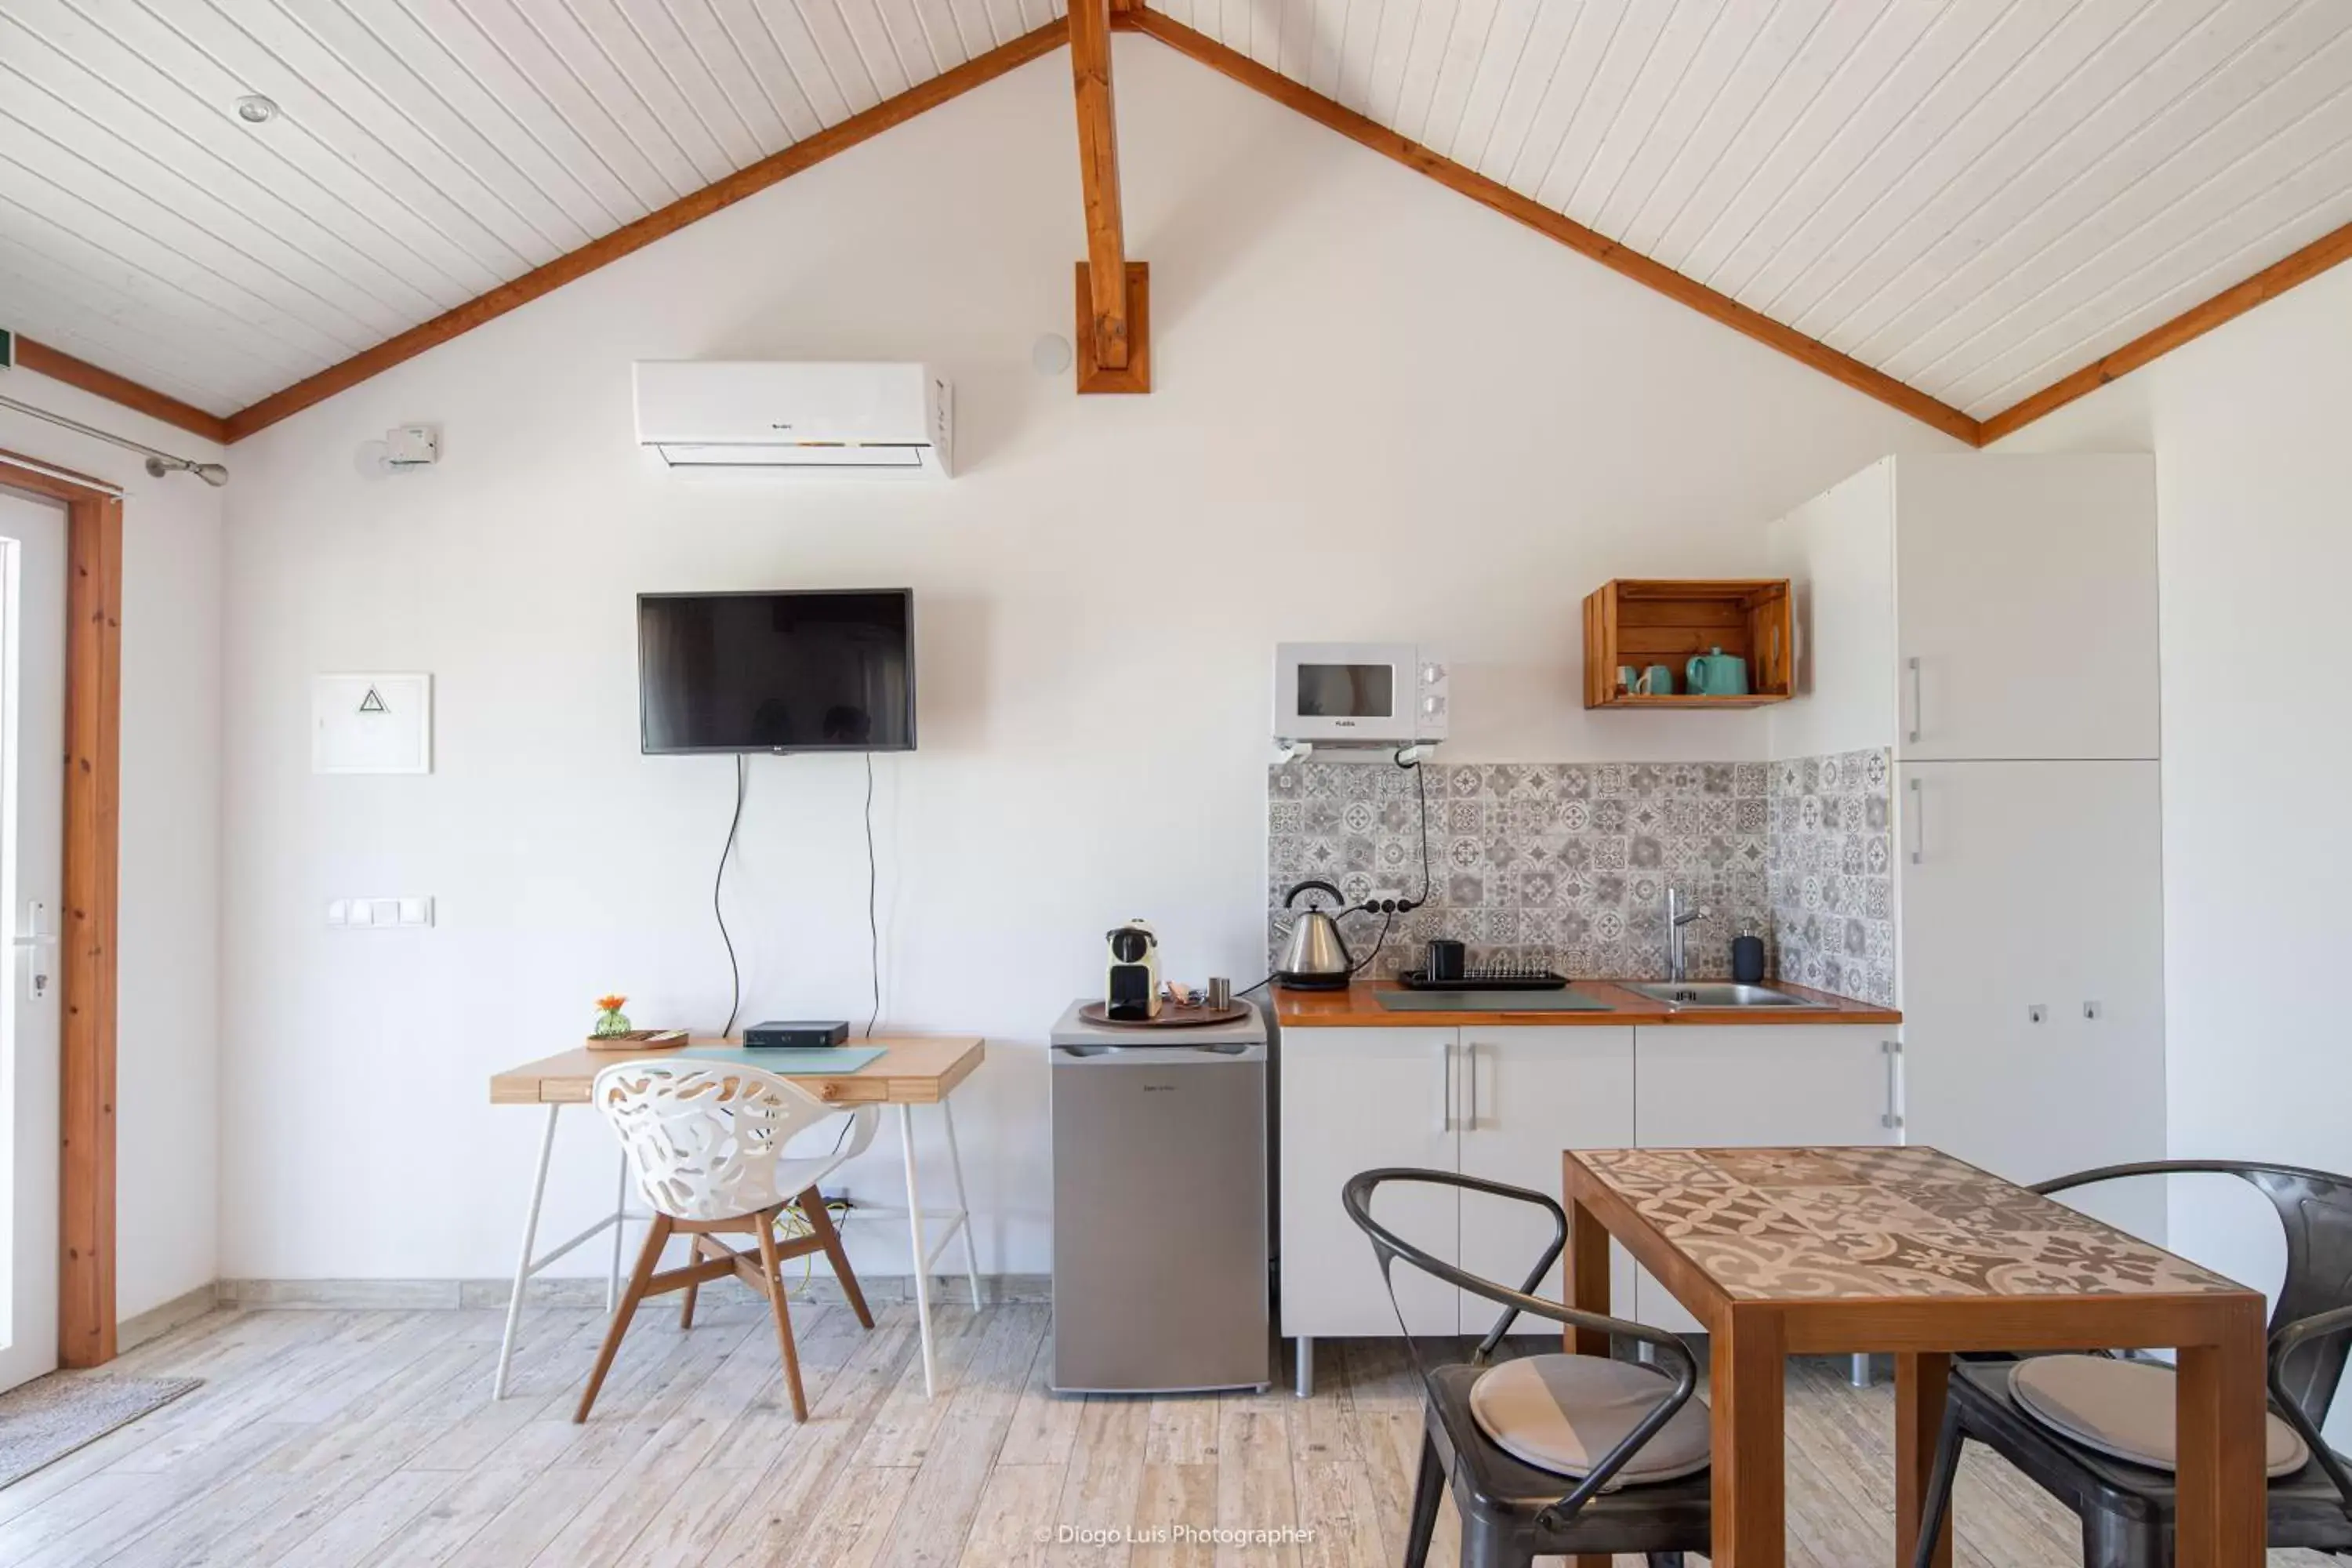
[1862, 1224]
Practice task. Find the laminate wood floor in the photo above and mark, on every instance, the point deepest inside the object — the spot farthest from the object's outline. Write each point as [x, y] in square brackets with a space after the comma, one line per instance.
[327, 1437]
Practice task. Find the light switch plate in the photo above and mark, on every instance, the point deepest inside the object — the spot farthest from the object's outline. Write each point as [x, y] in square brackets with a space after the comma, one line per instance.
[416, 911]
[339, 912]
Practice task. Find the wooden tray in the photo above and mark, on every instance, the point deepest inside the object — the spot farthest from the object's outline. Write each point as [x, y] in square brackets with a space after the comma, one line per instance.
[639, 1040]
[1172, 1016]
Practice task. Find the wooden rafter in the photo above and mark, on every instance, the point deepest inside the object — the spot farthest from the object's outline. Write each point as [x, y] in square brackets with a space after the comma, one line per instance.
[2194, 322]
[1535, 216]
[59, 365]
[725, 191]
[1114, 353]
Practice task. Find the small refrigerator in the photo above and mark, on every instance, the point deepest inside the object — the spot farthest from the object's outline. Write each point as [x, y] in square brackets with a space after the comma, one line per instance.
[1160, 1208]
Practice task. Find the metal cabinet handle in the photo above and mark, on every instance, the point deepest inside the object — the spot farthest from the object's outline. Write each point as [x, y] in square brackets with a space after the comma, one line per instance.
[1893, 1115]
[1918, 823]
[1470, 1087]
[1918, 701]
[1444, 1086]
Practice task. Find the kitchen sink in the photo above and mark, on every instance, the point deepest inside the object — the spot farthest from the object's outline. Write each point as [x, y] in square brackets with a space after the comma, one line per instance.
[1720, 994]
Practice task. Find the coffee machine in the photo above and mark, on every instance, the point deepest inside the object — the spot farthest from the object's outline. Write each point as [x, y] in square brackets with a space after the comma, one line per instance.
[1131, 984]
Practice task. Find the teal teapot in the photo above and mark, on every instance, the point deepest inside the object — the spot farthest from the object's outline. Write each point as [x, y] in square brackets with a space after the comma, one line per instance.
[1716, 674]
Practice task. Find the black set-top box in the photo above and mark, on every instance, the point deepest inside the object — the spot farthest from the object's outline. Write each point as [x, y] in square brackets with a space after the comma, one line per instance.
[801, 1034]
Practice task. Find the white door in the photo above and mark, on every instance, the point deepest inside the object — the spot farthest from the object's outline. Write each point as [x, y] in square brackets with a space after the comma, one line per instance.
[32, 840]
[2025, 591]
[1528, 1093]
[1767, 1084]
[1354, 1100]
[2032, 898]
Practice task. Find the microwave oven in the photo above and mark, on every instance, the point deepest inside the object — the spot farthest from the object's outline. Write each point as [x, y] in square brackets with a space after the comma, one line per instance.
[1359, 694]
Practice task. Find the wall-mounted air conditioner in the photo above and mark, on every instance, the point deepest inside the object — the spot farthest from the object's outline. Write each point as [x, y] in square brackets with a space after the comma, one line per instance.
[836, 420]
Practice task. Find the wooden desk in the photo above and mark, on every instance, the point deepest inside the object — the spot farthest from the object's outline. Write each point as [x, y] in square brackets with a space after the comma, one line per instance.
[1786, 1252]
[912, 1071]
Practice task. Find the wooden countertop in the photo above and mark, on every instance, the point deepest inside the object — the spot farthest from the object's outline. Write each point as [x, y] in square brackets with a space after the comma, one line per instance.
[1356, 1009]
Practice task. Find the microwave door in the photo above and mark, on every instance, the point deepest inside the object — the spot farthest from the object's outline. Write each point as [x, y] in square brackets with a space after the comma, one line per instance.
[1353, 691]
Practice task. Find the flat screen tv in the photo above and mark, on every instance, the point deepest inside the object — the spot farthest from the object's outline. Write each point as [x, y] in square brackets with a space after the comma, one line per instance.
[795, 670]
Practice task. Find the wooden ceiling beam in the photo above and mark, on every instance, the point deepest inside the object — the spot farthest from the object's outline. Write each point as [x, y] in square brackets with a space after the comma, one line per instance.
[1493, 193]
[59, 365]
[2192, 323]
[749, 180]
[1113, 353]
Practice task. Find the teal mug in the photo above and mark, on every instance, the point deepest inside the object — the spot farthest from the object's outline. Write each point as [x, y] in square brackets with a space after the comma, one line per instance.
[1717, 674]
[1655, 681]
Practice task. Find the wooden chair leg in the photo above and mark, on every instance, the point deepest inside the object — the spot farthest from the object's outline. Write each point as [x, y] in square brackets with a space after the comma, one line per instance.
[812, 1205]
[686, 1306]
[648, 1259]
[773, 1267]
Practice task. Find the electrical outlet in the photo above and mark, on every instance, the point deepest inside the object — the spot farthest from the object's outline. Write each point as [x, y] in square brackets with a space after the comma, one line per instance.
[1385, 900]
[2094, 1011]
[2037, 1013]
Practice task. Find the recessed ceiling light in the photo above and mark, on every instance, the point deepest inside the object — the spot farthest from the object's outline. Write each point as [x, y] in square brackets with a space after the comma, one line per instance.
[256, 110]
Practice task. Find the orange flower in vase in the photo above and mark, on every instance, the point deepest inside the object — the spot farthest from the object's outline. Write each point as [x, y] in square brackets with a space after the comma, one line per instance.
[610, 1019]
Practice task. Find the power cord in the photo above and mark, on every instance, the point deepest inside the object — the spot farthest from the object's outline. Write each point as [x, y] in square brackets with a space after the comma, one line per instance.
[873, 927]
[718, 883]
[1388, 910]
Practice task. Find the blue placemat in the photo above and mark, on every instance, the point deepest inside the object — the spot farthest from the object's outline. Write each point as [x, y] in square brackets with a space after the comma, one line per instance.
[815, 1061]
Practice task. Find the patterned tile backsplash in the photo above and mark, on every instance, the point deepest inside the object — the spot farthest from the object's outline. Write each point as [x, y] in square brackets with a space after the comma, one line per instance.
[1565, 866]
[1832, 873]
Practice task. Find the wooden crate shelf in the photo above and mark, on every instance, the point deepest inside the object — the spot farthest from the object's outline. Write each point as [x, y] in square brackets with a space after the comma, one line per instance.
[1644, 621]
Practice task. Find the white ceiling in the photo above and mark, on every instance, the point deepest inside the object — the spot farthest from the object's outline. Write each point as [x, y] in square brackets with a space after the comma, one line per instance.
[428, 151]
[1976, 197]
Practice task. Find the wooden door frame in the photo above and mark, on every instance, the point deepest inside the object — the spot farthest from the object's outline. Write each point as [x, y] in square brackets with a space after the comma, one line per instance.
[92, 895]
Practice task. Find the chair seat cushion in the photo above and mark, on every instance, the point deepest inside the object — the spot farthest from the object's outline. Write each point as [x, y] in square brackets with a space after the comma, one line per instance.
[1565, 1413]
[2124, 1408]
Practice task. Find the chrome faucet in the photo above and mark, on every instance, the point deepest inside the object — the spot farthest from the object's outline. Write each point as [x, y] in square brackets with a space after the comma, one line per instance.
[1680, 913]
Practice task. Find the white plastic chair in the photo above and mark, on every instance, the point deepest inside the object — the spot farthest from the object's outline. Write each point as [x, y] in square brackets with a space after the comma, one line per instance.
[707, 1144]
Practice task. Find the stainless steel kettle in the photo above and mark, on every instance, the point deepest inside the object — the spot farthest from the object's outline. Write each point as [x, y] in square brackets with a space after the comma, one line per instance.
[1315, 957]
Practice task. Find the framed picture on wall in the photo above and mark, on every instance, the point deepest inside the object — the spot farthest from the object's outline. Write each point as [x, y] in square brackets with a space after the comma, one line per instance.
[371, 723]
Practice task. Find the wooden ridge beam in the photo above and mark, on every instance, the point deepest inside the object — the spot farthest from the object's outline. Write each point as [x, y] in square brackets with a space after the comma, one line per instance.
[59, 365]
[2194, 322]
[1493, 193]
[725, 191]
[1114, 351]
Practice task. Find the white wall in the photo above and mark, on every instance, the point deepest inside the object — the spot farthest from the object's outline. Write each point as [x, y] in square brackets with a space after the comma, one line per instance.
[2248, 425]
[167, 1128]
[1382, 412]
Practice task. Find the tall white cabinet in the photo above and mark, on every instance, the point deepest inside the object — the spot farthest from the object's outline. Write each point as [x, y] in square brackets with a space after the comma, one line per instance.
[1992, 620]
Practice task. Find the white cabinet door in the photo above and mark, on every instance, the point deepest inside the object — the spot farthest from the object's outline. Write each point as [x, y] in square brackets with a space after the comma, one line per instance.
[1528, 1094]
[2028, 886]
[2025, 591]
[1354, 1100]
[1765, 1084]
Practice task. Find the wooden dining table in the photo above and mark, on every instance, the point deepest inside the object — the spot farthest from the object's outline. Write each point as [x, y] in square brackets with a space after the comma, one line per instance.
[1781, 1252]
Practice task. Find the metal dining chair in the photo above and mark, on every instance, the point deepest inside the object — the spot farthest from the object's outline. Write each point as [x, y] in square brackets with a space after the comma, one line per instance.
[708, 1146]
[1631, 1438]
[2096, 1432]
